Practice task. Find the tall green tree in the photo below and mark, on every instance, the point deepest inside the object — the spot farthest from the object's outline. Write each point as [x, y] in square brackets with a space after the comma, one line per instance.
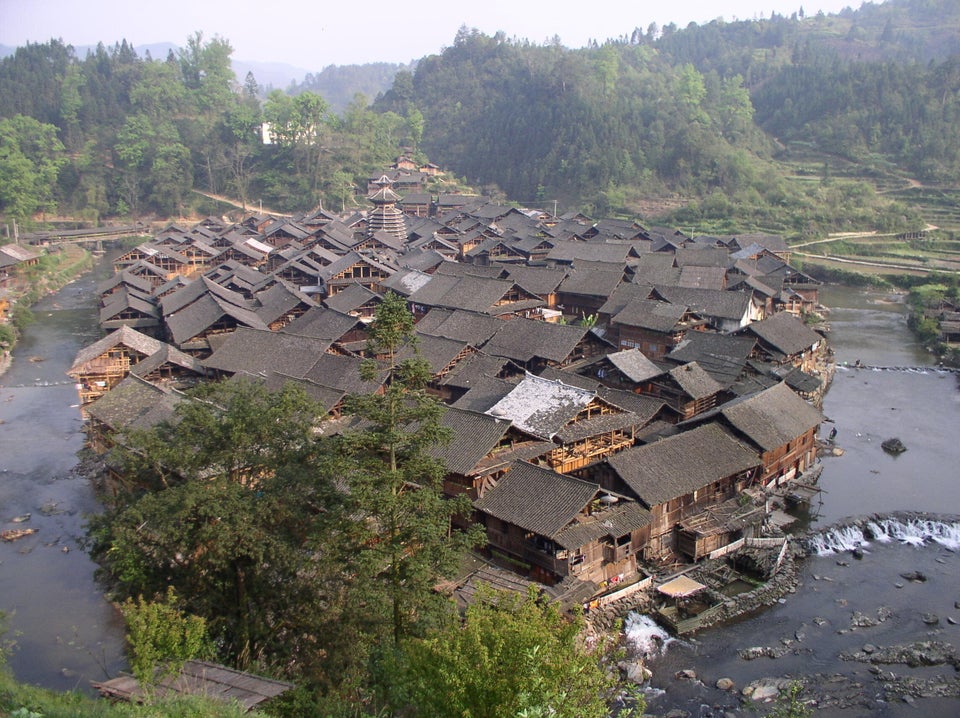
[397, 485]
[233, 509]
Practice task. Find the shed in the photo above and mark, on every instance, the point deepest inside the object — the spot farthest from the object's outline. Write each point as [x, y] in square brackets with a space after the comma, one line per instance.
[681, 587]
[200, 678]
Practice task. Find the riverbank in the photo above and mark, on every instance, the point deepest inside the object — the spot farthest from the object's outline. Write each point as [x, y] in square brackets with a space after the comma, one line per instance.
[53, 273]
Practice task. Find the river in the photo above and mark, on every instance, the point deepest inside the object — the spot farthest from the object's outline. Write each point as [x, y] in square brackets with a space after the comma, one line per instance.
[922, 408]
[61, 632]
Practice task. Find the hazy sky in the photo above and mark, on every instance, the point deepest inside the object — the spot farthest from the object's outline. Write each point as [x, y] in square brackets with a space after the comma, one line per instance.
[312, 35]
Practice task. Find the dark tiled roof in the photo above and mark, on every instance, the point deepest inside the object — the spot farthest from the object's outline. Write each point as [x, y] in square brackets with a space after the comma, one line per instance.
[537, 499]
[468, 372]
[253, 351]
[695, 381]
[772, 417]
[134, 404]
[204, 313]
[321, 323]
[341, 372]
[784, 333]
[643, 406]
[438, 352]
[634, 365]
[351, 298]
[681, 464]
[484, 393]
[461, 325]
[592, 282]
[703, 277]
[708, 302]
[525, 339]
[616, 521]
[649, 314]
[474, 435]
[168, 355]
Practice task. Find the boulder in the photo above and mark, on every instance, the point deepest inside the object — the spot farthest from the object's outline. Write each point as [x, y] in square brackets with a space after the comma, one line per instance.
[725, 684]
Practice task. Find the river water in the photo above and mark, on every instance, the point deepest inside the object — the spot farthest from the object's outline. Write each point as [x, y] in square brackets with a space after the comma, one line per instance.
[62, 632]
[922, 408]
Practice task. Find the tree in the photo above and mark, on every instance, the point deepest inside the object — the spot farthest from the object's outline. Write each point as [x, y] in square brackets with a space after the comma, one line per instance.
[233, 508]
[396, 484]
[160, 635]
[512, 655]
[31, 156]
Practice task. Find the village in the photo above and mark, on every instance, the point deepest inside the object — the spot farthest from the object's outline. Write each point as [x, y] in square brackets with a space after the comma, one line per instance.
[626, 403]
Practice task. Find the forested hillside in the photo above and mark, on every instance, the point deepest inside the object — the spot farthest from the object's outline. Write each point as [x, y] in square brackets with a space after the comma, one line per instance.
[114, 134]
[716, 127]
[699, 113]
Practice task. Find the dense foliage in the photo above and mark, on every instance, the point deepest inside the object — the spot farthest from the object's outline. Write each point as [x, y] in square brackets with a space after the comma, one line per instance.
[512, 655]
[115, 134]
[695, 120]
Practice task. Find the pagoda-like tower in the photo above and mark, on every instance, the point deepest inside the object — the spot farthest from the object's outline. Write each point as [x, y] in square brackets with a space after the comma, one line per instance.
[386, 216]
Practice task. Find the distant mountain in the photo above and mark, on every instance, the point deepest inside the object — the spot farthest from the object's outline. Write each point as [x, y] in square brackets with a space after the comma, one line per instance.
[339, 84]
[269, 75]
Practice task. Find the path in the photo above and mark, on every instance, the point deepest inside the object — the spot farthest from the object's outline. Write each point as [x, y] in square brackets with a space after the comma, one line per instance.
[881, 265]
[239, 205]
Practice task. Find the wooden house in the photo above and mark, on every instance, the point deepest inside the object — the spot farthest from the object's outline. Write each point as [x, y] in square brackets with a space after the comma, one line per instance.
[543, 282]
[355, 268]
[688, 388]
[583, 427]
[170, 367]
[629, 369]
[416, 204]
[123, 281]
[283, 232]
[782, 426]
[441, 354]
[783, 339]
[722, 356]
[355, 300]
[485, 295]
[132, 404]
[552, 527]
[102, 365]
[653, 327]
[130, 308]
[191, 327]
[279, 304]
[680, 477]
[14, 259]
[534, 344]
[330, 324]
[482, 448]
[725, 311]
[584, 291]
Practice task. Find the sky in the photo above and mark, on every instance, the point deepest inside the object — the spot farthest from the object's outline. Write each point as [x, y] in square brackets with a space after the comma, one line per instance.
[312, 35]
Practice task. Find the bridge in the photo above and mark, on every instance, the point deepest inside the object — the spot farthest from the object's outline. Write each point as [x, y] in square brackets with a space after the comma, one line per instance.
[96, 235]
